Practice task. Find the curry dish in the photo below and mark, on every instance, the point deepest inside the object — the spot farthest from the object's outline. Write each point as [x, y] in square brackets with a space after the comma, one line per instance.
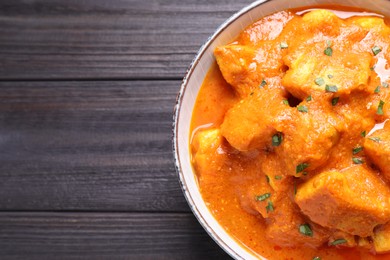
[290, 141]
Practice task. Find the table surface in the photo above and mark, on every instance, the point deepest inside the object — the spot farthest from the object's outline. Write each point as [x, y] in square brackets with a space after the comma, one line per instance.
[86, 101]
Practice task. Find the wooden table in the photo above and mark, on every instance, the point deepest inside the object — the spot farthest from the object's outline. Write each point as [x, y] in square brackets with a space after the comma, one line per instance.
[86, 101]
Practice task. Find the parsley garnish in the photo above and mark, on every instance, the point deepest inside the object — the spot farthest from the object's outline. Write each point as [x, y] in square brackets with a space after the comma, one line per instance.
[263, 197]
[270, 206]
[363, 134]
[305, 230]
[380, 108]
[335, 101]
[330, 76]
[319, 81]
[309, 98]
[357, 160]
[357, 149]
[285, 101]
[378, 88]
[277, 177]
[301, 167]
[375, 139]
[263, 83]
[328, 51]
[385, 84]
[283, 45]
[316, 258]
[338, 242]
[302, 109]
[376, 50]
[277, 139]
[331, 88]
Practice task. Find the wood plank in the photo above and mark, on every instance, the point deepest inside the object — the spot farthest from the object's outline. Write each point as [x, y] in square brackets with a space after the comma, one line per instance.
[88, 146]
[89, 39]
[104, 236]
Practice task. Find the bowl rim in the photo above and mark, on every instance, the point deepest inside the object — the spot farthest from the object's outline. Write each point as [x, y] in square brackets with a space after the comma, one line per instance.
[176, 112]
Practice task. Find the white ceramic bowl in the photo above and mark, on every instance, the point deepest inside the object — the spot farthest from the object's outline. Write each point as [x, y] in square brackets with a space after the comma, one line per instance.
[192, 82]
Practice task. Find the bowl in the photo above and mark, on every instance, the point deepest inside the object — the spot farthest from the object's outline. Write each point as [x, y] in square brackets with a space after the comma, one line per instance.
[192, 82]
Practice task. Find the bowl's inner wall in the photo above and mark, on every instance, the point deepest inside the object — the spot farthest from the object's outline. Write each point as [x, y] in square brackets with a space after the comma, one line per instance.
[190, 88]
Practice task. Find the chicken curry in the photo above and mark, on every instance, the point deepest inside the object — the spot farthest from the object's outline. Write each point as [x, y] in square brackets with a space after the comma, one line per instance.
[290, 140]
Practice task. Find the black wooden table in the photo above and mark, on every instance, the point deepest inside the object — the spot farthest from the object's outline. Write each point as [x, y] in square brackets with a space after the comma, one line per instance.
[87, 89]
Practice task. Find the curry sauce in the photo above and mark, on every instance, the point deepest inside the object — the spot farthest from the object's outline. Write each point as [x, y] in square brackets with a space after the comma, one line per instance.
[289, 141]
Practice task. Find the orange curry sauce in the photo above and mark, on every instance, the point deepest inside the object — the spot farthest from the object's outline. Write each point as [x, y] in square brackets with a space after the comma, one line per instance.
[229, 185]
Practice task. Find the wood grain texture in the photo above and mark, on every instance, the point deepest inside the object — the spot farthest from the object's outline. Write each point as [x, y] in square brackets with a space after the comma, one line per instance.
[104, 236]
[90, 39]
[88, 146]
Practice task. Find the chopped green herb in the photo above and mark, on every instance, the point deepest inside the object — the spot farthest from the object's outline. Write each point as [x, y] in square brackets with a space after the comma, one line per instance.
[267, 178]
[309, 98]
[330, 76]
[302, 109]
[328, 51]
[285, 101]
[277, 139]
[380, 108]
[357, 150]
[263, 197]
[357, 160]
[283, 45]
[385, 84]
[270, 206]
[301, 167]
[316, 258]
[335, 101]
[338, 242]
[331, 88]
[328, 43]
[378, 88]
[305, 230]
[363, 134]
[372, 68]
[263, 83]
[277, 177]
[375, 139]
[319, 81]
[376, 50]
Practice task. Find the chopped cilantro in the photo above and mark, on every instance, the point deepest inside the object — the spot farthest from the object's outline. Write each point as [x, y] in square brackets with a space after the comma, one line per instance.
[357, 150]
[305, 230]
[376, 50]
[335, 101]
[363, 134]
[302, 109]
[270, 206]
[328, 51]
[277, 139]
[357, 160]
[319, 81]
[263, 197]
[263, 83]
[380, 108]
[285, 101]
[283, 45]
[378, 88]
[309, 98]
[338, 242]
[301, 167]
[331, 88]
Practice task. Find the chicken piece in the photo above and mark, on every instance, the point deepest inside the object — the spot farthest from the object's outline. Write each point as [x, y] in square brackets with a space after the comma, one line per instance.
[381, 239]
[245, 67]
[267, 28]
[248, 124]
[354, 200]
[208, 152]
[323, 21]
[311, 70]
[307, 141]
[284, 227]
[377, 148]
